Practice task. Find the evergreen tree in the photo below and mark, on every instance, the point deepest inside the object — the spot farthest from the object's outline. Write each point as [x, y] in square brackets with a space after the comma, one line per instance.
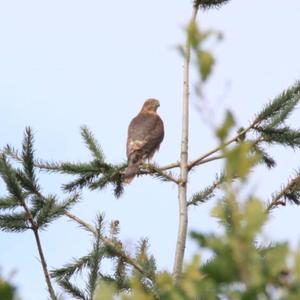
[241, 267]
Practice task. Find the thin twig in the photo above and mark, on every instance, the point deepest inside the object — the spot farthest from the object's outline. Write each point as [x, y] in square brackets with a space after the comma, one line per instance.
[204, 158]
[152, 169]
[44, 264]
[204, 161]
[198, 160]
[82, 223]
[177, 164]
[170, 166]
[35, 230]
[277, 201]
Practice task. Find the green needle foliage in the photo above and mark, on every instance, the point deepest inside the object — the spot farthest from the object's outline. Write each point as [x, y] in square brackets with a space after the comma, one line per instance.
[206, 4]
[278, 110]
[96, 174]
[240, 267]
[284, 136]
[207, 193]
[92, 263]
[269, 125]
[290, 193]
[25, 207]
[265, 157]
[248, 270]
[92, 144]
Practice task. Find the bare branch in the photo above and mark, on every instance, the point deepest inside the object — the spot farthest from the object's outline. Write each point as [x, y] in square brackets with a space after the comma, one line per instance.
[184, 168]
[198, 160]
[170, 166]
[204, 161]
[205, 157]
[156, 171]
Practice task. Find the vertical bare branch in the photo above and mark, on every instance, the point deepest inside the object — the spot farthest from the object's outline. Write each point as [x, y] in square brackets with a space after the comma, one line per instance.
[182, 186]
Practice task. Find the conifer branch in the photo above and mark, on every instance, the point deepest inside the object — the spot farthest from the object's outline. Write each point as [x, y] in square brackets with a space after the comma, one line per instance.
[177, 164]
[47, 209]
[92, 261]
[217, 157]
[72, 289]
[205, 158]
[272, 115]
[157, 172]
[27, 155]
[14, 222]
[71, 269]
[265, 123]
[206, 4]
[207, 193]
[265, 157]
[93, 175]
[278, 110]
[241, 133]
[170, 166]
[291, 192]
[284, 136]
[82, 223]
[92, 144]
[108, 242]
[148, 262]
[95, 259]
[9, 176]
[8, 203]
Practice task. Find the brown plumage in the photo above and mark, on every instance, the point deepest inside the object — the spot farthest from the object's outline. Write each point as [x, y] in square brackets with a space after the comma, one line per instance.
[145, 133]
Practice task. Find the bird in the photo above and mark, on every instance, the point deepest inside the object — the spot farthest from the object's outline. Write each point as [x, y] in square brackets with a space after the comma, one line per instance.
[145, 134]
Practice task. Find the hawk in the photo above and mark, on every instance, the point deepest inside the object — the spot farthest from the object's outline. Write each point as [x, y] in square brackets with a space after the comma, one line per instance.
[145, 133]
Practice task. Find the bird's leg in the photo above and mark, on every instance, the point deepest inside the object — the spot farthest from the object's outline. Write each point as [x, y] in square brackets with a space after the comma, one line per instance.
[146, 164]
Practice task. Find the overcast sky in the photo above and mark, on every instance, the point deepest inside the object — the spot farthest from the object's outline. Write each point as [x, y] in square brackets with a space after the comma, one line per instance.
[69, 62]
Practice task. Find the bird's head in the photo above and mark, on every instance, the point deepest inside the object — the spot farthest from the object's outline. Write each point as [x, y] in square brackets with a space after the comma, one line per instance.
[151, 105]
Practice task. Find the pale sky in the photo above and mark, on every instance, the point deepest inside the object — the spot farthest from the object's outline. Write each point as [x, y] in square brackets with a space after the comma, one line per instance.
[67, 63]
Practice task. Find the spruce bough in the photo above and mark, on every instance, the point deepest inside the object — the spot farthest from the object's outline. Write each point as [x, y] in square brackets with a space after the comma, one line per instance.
[240, 267]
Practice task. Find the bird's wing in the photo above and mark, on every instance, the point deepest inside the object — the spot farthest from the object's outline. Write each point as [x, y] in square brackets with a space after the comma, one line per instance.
[145, 133]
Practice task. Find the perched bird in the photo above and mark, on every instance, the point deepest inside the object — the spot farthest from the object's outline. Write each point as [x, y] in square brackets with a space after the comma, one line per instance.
[145, 133]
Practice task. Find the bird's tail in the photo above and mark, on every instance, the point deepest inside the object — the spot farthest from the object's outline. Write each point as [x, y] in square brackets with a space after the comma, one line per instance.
[134, 162]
